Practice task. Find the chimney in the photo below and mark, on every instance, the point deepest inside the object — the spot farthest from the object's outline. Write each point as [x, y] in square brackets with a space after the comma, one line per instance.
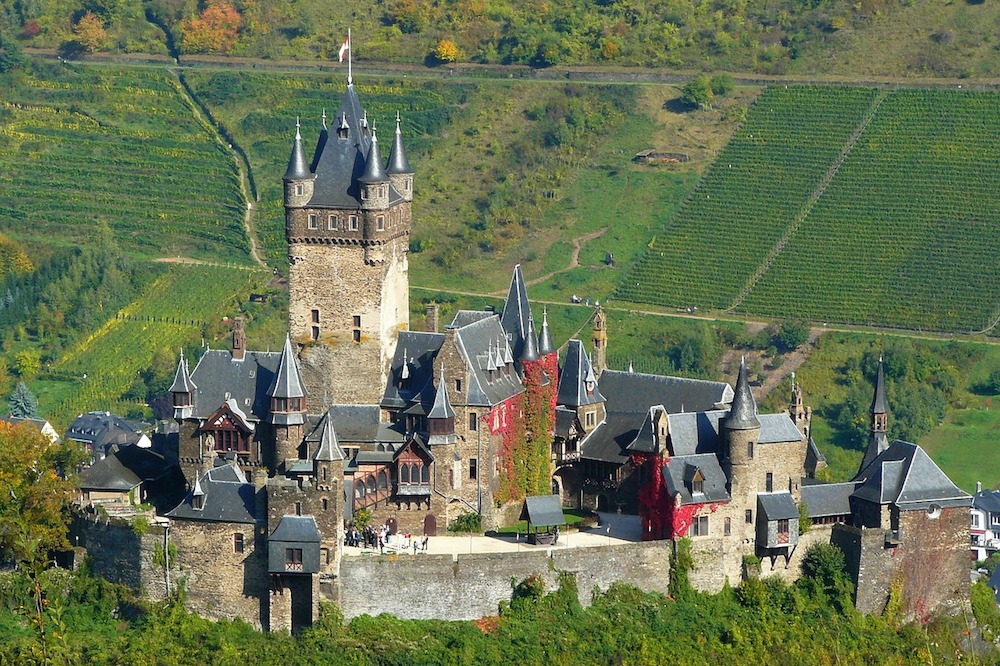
[979, 487]
[431, 313]
[239, 340]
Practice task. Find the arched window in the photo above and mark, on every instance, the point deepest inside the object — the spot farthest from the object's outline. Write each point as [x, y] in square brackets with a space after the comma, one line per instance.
[371, 484]
[383, 480]
[414, 473]
[425, 474]
[359, 490]
[380, 447]
[404, 473]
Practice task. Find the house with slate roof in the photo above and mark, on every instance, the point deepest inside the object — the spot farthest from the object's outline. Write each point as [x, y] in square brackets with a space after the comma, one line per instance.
[97, 432]
[985, 522]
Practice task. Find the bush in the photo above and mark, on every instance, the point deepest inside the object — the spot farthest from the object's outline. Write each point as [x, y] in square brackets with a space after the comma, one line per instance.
[722, 85]
[698, 92]
[984, 608]
[792, 335]
[467, 522]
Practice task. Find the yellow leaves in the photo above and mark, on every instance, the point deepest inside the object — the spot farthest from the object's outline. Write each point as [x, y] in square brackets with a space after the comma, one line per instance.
[90, 32]
[214, 31]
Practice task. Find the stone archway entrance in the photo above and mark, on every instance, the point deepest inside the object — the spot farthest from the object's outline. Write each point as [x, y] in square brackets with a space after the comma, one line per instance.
[602, 502]
[430, 525]
[391, 524]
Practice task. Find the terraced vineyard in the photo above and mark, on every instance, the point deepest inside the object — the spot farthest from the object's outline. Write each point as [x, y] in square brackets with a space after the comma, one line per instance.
[82, 145]
[904, 233]
[107, 361]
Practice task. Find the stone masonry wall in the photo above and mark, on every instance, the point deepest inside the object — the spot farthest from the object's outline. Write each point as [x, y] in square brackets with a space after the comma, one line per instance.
[465, 587]
[118, 553]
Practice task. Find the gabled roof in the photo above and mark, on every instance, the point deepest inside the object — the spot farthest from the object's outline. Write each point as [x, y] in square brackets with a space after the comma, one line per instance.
[226, 497]
[102, 429]
[905, 476]
[219, 378]
[473, 343]
[516, 312]
[636, 392]
[828, 499]
[679, 470]
[778, 428]
[124, 468]
[415, 353]
[987, 500]
[329, 448]
[695, 432]
[287, 382]
[646, 437]
[743, 412]
[355, 424]
[466, 317]
[296, 528]
[340, 162]
[543, 511]
[576, 371]
[777, 506]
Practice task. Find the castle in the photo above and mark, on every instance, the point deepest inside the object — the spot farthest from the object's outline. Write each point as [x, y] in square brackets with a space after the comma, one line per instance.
[280, 450]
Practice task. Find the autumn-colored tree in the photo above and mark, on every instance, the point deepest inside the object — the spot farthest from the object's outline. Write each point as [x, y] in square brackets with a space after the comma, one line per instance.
[35, 492]
[447, 51]
[13, 257]
[90, 32]
[214, 30]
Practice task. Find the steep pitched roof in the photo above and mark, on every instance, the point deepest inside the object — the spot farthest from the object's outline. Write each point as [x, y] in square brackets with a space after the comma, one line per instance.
[679, 471]
[575, 375]
[329, 448]
[516, 312]
[635, 392]
[905, 476]
[374, 171]
[442, 403]
[473, 343]
[743, 413]
[828, 499]
[778, 428]
[296, 528]
[529, 350]
[397, 154]
[777, 506]
[298, 168]
[218, 378]
[414, 357]
[287, 382]
[182, 380]
[124, 468]
[102, 429]
[878, 400]
[987, 500]
[645, 438]
[545, 345]
[226, 498]
[543, 511]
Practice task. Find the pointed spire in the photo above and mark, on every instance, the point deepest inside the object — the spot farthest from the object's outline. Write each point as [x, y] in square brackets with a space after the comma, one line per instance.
[508, 357]
[397, 154]
[287, 381]
[545, 346]
[329, 447]
[182, 380]
[516, 310]
[743, 412]
[298, 168]
[530, 350]
[442, 408]
[631, 370]
[374, 172]
[404, 373]
[323, 118]
[878, 401]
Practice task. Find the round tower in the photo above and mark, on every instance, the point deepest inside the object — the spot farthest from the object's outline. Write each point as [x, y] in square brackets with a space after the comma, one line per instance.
[741, 432]
[298, 179]
[374, 181]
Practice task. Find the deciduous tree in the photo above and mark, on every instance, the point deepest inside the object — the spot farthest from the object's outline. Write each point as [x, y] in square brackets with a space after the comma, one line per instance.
[90, 32]
[214, 30]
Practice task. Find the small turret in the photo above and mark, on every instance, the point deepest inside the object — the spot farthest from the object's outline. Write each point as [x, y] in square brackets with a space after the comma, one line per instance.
[298, 178]
[441, 418]
[182, 390]
[530, 350]
[287, 392]
[239, 340]
[600, 341]
[399, 171]
[374, 181]
[329, 447]
[743, 412]
[878, 438]
[545, 346]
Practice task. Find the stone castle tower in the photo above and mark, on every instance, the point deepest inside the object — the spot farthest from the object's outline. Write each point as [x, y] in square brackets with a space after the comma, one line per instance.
[347, 223]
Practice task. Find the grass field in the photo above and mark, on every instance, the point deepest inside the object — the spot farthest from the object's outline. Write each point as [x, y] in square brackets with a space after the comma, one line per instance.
[84, 145]
[797, 219]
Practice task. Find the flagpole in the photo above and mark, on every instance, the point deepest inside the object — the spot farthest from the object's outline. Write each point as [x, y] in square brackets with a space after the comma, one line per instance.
[350, 78]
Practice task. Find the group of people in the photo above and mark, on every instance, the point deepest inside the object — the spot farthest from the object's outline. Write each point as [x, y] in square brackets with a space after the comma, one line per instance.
[381, 536]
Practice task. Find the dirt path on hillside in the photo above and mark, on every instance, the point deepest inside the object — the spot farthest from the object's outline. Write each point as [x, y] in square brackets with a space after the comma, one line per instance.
[574, 260]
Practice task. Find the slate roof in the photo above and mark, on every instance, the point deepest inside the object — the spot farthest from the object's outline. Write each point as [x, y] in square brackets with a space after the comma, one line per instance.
[466, 317]
[743, 412]
[355, 424]
[543, 511]
[636, 392]
[828, 499]
[778, 428]
[296, 528]
[516, 312]
[287, 381]
[474, 342]
[417, 350]
[298, 168]
[123, 469]
[878, 401]
[645, 438]
[102, 429]
[607, 441]
[576, 371]
[218, 378]
[397, 154]
[529, 348]
[878, 442]
[442, 408]
[374, 171]
[905, 476]
[564, 421]
[329, 448]
[777, 506]
[340, 162]
[545, 345]
[679, 471]
[695, 432]
[182, 380]
[227, 498]
[987, 500]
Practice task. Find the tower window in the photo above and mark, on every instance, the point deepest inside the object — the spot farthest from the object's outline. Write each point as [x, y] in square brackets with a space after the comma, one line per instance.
[315, 316]
[750, 450]
[473, 468]
[458, 385]
[353, 221]
[313, 224]
[326, 504]
[356, 335]
[298, 508]
[727, 527]
[299, 189]
[357, 321]
[237, 543]
[749, 517]
[332, 223]
[474, 422]
[380, 223]
[315, 333]
[769, 482]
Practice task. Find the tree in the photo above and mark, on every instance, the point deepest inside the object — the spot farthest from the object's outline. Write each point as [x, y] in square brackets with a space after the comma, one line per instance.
[447, 51]
[792, 335]
[28, 362]
[10, 54]
[90, 32]
[723, 84]
[215, 29]
[698, 92]
[22, 403]
[35, 491]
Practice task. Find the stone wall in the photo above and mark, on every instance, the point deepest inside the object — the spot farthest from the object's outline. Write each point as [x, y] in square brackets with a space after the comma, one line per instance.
[120, 554]
[465, 587]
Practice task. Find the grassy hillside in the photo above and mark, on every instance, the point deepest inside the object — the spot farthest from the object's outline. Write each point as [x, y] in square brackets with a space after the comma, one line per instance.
[842, 205]
[81, 146]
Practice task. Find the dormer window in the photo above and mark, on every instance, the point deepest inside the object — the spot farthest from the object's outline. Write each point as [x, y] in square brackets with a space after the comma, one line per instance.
[590, 388]
[198, 502]
[182, 399]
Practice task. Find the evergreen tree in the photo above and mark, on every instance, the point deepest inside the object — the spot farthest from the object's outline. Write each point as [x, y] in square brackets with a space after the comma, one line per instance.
[22, 402]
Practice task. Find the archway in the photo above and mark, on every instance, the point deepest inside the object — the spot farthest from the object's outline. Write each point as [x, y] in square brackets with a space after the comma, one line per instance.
[430, 525]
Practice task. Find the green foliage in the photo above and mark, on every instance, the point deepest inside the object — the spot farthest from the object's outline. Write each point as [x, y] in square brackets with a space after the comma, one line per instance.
[723, 85]
[681, 564]
[751, 566]
[984, 608]
[824, 572]
[805, 522]
[22, 402]
[362, 518]
[792, 335]
[10, 54]
[698, 92]
[140, 525]
[468, 522]
[992, 384]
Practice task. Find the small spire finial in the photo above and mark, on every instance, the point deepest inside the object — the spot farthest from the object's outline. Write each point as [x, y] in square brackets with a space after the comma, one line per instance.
[397, 122]
[324, 117]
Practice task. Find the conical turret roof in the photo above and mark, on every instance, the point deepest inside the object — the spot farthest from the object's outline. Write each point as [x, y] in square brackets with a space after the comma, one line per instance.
[743, 412]
[397, 154]
[287, 381]
[529, 352]
[329, 448]
[182, 380]
[298, 167]
[878, 401]
[374, 171]
[545, 346]
[442, 403]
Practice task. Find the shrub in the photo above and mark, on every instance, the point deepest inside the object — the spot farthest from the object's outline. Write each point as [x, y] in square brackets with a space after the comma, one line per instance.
[984, 608]
[722, 85]
[447, 51]
[467, 522]
[698, 92]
